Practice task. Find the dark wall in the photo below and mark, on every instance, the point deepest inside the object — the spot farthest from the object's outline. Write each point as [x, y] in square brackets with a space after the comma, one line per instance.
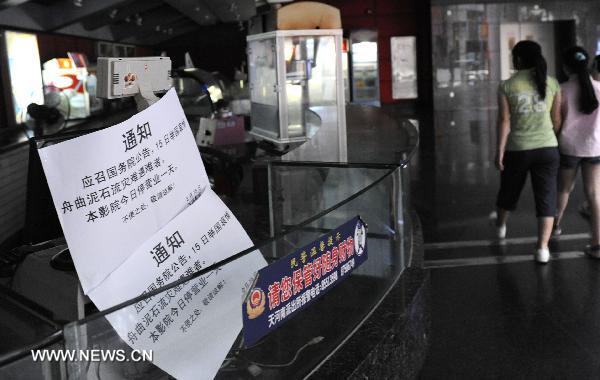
[57, 46]
[219, 47]
[565, 35]
[223, 47]
[393, 18]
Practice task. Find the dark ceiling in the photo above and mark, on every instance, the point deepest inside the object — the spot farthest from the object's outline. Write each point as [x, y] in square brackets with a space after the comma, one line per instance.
[143, 22]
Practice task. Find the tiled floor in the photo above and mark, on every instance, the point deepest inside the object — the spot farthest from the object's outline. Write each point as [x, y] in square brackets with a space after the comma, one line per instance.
[495, 313]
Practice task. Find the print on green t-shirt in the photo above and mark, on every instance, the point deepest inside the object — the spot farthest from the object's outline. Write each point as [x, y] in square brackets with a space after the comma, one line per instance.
[530, 122]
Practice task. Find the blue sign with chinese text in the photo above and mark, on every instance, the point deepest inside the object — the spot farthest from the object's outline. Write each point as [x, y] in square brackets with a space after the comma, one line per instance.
[293, 282]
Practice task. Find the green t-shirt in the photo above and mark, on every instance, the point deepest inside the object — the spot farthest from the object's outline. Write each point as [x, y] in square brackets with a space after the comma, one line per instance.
[530, 122]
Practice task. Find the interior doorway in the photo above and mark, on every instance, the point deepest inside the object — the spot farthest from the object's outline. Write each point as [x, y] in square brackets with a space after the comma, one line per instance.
[553, 36]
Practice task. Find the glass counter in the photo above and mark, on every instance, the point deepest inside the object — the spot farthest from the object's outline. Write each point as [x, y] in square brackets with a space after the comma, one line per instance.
[282, 205]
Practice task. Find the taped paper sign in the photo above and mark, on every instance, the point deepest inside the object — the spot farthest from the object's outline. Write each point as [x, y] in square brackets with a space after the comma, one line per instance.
[191, 327]
[115, 188]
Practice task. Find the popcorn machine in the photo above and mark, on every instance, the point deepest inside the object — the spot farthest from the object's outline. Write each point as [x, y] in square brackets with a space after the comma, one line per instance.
[297, 88]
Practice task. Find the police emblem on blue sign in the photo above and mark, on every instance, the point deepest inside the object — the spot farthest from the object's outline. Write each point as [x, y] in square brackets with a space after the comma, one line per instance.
[255, 305]
[293, 282]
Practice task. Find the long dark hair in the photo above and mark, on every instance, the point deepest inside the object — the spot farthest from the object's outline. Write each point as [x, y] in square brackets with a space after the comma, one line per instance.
[528, 55]
[596, 64]
[576, 60]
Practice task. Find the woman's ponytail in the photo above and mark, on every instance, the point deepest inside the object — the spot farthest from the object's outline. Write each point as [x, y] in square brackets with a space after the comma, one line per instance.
[540, 74]
[528, 55]
[576, 60]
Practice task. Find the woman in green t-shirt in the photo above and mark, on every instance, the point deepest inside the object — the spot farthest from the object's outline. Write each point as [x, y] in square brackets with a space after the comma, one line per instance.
[528, 118]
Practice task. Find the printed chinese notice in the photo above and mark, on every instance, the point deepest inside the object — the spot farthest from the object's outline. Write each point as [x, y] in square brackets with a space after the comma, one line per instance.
[191, 327]
[115, 188]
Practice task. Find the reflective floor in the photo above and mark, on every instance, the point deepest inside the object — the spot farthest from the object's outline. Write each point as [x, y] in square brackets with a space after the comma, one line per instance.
[495, 313]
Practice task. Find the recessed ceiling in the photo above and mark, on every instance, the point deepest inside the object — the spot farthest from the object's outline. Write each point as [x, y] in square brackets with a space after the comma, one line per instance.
[130, 21]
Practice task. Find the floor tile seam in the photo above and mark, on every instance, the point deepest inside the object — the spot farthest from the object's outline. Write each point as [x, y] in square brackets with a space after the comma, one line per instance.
[512, 259]
[440, 255]
[499, 243]
[575, 243]
[485, 252]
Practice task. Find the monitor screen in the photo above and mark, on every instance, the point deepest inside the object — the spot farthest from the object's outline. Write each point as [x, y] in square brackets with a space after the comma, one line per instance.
[25, 72]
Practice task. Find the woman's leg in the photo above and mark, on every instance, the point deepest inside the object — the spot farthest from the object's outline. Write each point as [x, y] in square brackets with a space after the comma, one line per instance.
[512, 181]
[544, 173]
[502, 217]
[591, 181]
[566, 183]
[544, 231]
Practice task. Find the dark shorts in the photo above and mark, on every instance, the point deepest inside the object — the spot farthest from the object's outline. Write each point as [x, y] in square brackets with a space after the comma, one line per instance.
[542, 164]
[573, 162]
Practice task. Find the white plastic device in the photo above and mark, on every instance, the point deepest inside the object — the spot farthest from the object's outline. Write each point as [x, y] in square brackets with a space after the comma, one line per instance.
[140, 77]
[206, 132]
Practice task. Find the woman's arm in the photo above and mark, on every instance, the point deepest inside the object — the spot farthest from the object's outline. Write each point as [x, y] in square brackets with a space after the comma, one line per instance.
[556, 112]
[503, 129]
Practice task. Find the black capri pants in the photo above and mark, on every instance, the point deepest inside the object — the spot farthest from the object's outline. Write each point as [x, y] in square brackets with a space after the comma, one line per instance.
[543, 165]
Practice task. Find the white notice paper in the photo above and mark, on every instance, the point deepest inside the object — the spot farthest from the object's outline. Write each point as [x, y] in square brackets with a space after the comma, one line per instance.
[190, 328]
[115, 188]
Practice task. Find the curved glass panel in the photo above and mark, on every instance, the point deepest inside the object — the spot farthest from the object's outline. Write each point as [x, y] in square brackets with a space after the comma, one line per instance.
[284, 206]
[300, 193]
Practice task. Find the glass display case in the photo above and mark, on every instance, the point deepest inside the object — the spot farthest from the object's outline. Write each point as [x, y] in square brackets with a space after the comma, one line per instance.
[329, 195]
[282, 205]
[296, 84]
